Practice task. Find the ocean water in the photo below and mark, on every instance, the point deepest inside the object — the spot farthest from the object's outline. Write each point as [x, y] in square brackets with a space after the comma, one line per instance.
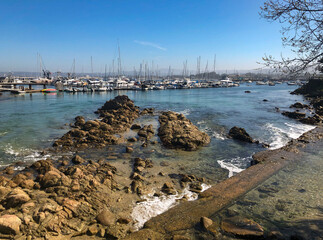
[29, 123]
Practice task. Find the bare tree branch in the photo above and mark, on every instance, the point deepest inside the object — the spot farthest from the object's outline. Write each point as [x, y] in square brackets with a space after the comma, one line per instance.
[302, 31]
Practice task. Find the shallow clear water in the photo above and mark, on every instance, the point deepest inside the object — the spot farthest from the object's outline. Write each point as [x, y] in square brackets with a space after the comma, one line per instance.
[291, 200]
[29, 123]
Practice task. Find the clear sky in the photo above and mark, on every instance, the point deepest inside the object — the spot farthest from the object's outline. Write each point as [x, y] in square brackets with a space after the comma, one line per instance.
[166, 32]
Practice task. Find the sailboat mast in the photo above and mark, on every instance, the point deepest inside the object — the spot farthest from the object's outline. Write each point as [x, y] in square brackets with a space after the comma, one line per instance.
[91, 66]
[119, 61]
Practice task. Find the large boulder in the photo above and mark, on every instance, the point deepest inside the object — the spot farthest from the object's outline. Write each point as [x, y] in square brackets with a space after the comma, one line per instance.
[106, 217]
[117, 103]
[240, 134]
[10, 224]
[176, 131]
[15, 198]
[54, 178]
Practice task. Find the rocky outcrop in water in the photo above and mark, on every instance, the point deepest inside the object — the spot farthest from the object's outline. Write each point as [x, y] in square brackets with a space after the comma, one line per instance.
[240, 134]
[117, 115]
[176, 131]
[294, 115]
[299, 105]
[313, 90]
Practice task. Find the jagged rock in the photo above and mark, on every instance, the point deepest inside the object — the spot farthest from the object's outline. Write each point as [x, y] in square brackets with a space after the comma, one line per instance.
[299, 105]
[106, 218]
[117, 116]
[168, 188]
[28, 183]
[147, 111]
[314, 120]
[54, 178]
[77, 159]
[42, 166]
[294, 115]
[10, 224]
[240, 134]
[242, 227]
[79, 121]
[146, 132]
[135, 126]
[15, 198]
[176, 131]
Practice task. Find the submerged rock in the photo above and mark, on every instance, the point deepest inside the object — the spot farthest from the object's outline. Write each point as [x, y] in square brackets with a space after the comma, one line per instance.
[106, 218]
[242, 227]
[176, 131]
[240, 134]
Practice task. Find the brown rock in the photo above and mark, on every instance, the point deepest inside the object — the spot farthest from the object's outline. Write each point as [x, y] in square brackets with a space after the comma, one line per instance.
[242, 227]
[10, 224]
[50, 179]
[133, 139]
[28, 183]
[77, 159]
[129, 149]
[240, 134]
[294, 115]
[206, 222]
[135, 126]
[93, 230]
[16, 197]
[9, 170]
[106, 217]
[176, 131]
[124, 220]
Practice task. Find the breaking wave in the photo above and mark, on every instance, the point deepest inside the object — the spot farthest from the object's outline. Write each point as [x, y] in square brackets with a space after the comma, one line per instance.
[280, 136]
[153, 206]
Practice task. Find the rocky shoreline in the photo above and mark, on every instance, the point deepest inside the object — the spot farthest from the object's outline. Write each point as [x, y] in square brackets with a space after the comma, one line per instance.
[77, 197]
[199, 219]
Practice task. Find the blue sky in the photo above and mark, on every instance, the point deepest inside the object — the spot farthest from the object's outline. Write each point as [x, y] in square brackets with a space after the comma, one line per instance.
[166, 32]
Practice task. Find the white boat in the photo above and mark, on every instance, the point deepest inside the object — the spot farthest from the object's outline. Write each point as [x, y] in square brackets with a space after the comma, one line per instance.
[260, 83]
[102, 89]
[17, 91]
[291, 83]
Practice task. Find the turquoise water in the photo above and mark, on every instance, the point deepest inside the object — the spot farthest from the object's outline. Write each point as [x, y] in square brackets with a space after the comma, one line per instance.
[29, 123]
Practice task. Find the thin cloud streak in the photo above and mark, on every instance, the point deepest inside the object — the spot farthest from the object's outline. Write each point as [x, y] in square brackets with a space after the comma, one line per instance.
[154, 45]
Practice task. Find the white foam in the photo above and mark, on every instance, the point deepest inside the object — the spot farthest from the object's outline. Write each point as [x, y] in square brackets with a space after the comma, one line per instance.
[185, 112]
[281, 136]
[154, 206]
[232, 165]
[218, 136]
[3, 133]
[18, 168]
[25, 154]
